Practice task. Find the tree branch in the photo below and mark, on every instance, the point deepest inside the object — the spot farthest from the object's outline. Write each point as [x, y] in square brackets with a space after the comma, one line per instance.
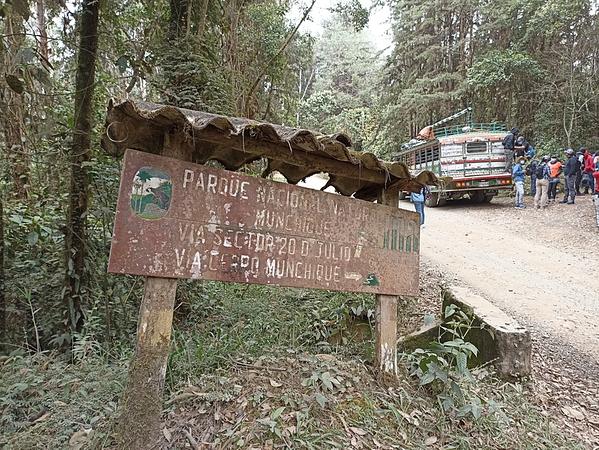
[275, 57]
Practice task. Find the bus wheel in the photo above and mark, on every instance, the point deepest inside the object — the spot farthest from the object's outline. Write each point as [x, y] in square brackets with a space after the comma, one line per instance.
[434, 200]
[488, 198]
[477, 196]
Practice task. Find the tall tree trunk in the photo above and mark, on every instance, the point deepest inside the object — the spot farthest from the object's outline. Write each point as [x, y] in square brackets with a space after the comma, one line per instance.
[13, 106]
[75, 239]
[179, 20]
[42, 45]
[3, 331]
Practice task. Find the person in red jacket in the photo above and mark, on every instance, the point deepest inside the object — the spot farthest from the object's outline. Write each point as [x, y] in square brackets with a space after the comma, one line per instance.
[596, 179]
[588, 167]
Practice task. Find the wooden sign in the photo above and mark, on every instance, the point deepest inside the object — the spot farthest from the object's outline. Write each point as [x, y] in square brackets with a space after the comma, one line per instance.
[181, 220]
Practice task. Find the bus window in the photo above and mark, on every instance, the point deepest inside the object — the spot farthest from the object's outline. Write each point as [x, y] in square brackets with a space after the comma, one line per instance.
[476, 147]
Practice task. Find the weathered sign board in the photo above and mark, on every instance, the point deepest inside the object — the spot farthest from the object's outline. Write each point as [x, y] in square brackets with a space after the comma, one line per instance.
[182, 220]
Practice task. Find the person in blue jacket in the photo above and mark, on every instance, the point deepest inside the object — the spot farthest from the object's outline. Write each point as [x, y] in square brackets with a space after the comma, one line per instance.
[518, 175]
[417, 199]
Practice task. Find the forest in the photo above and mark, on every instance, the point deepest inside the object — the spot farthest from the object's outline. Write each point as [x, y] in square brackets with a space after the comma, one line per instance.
[527, 63]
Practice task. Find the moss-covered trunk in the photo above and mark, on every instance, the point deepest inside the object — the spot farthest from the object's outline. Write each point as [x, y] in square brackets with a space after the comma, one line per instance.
[13, 105]
[3, 333]
[75, 239]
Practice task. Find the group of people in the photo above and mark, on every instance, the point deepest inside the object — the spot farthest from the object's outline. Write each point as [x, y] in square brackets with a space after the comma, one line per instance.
[580, 172]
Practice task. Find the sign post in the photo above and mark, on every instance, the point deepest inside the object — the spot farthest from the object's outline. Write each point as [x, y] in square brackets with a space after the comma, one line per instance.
[176, 220]
[386, 314]
[141, 404]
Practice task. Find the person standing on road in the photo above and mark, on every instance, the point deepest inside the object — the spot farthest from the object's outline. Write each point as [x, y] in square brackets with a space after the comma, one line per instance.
[587, 171]
[542, 183]
[508, 145]
[596, 180]
[579, 163]
[531, 170]
[555, 170]
[417, 199]
[518, 177]
[570, 174]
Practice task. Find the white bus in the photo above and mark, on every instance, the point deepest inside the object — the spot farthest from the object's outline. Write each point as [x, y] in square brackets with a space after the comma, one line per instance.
[470, 160]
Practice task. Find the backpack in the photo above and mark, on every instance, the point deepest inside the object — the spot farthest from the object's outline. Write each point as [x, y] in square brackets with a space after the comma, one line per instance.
[531, 168]
[540, 172]
[417, 197]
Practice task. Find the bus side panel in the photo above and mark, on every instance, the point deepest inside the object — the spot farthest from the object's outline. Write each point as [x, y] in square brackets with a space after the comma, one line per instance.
[498, 158]
[452, 160]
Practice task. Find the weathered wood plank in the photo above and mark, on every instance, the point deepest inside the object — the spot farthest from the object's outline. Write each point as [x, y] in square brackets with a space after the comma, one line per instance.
[141, 405]
[386, 314]
[181, 220]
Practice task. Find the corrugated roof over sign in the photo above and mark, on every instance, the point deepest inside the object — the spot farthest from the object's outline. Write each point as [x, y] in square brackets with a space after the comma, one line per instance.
[295, 153]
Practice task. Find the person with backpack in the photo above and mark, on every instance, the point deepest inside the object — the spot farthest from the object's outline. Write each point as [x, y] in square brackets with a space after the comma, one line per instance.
[417, 199]
[518, 177]
[555, 170]
[531, 171]
[509, 141]
[542, 174]
[570, 174]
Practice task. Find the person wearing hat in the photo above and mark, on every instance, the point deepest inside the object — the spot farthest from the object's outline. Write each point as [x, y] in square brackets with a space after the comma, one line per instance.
[542, 182]
[570, 174]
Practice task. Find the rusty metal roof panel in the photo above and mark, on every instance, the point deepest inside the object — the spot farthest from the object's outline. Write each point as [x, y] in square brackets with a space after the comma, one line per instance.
[235, 142]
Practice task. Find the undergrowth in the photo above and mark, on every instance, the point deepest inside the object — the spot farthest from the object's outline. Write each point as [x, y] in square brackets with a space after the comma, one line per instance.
[257, 367]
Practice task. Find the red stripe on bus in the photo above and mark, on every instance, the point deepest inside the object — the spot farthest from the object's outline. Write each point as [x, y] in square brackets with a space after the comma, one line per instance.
[483, 177]
[463, 161]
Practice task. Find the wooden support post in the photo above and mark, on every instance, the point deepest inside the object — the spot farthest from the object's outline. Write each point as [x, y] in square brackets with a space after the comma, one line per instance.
[141, 406]
[386, 313]
[140, 420]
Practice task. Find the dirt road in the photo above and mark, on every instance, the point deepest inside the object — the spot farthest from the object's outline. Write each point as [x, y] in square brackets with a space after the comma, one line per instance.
[542, 266]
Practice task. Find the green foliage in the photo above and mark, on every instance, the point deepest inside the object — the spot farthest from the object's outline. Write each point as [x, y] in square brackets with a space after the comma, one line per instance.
[503, 69]
[443, 365]
[44, 399]
[342, 96]
[352, 14]
[224, 322]
[527, 63]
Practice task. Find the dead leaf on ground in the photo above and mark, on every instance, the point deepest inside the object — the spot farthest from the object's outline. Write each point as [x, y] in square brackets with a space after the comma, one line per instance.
[572, 413]
[430, 440]
[358, 431]
[275, 384]
[79, 439]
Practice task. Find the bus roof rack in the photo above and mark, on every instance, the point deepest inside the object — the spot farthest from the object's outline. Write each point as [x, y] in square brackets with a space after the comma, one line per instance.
[472, 127]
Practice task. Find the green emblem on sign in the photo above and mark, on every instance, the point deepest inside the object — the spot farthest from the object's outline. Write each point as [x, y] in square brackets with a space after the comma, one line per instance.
[151, 193]
[371, 280]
